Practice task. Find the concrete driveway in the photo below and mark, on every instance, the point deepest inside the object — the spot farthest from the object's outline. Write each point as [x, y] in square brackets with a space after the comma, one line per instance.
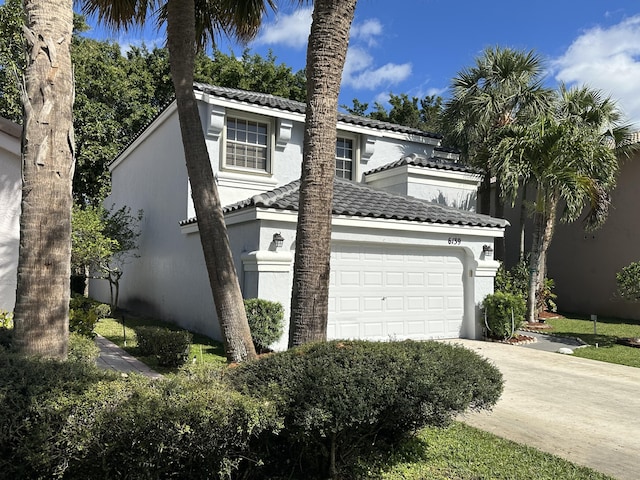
[583, 410]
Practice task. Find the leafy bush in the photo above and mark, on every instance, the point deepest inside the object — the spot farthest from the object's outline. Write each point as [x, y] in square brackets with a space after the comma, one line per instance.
[628, 282]
[503, 312]
[6, 319]
[6, 328]
[265, 321]
[84, 313]
[341, 399]
[545, 301]
[515, 280]
[70, 420]
[82, 348]
[169, 346]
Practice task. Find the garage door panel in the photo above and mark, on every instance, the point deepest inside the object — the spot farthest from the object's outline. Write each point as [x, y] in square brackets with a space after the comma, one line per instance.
[348, 304]
[394, 304]
[373, 279]
[415, 279]
[381, 291]
[373, 304]
[416, 304]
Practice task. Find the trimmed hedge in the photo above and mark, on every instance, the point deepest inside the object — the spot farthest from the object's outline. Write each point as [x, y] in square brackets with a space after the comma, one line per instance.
[265, 321]
[504, 313]
[70, 420]
[171, 347]
[342, 399]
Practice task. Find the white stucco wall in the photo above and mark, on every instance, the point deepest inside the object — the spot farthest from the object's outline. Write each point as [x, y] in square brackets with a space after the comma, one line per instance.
[170, 274]
[10, 197]
[444, 187]
[374, 148]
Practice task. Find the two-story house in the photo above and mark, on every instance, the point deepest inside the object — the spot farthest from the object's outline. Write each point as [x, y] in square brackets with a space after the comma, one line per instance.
[410, 257]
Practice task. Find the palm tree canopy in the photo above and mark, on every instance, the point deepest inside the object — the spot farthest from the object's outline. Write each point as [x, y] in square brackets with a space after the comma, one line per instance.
[503, 86]
[569, 152]
[237, 19]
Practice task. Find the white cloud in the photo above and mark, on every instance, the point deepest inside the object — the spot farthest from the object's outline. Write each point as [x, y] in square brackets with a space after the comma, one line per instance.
[360, 71]
[367, 31]
[289, 30]
[607, 59]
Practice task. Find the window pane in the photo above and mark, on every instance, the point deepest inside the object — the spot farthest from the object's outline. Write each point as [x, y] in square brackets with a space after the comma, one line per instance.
[344, 158]
[247, 143]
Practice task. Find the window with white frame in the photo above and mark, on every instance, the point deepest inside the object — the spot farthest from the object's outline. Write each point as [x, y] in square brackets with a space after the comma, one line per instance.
[345, 157]
[247, 144]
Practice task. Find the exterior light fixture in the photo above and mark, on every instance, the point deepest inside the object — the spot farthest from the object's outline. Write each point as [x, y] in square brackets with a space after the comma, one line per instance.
[487, 249]
[278, 240]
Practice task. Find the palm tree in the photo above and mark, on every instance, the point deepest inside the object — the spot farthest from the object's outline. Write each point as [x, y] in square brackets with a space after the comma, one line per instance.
[502, 88]
[570, 154]
[192, 23]
[326, 54]
[44, 266]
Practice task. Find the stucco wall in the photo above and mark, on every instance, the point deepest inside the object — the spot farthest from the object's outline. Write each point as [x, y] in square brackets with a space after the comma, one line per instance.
[286, 157]
[10, 196]
[584, 264]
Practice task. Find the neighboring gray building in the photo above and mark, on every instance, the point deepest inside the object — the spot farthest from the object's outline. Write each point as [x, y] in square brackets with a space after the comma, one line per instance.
[410, 256]
[10, 197]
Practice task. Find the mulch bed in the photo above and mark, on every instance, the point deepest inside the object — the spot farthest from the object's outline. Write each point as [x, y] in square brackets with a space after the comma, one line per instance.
[629, 342]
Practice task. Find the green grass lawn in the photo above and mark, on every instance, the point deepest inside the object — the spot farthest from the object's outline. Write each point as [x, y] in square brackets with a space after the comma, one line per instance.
[203, 348]
[607, 331]
[465, 453]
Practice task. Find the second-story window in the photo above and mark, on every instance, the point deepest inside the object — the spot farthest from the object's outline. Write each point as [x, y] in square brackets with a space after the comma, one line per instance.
[247, 144]
[344, 158]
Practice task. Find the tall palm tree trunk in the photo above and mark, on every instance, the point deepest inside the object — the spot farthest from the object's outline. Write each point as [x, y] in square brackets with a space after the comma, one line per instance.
[326, 54]
[544, 226]
[522, 222]
[44, 266]
[181, 36]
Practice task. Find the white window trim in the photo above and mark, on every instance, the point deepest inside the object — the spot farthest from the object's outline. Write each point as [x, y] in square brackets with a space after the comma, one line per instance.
[270, 144]
[355, 142]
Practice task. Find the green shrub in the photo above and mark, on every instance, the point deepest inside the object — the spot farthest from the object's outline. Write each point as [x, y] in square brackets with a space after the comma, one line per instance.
[265, 321]
[515, 280]
[6, 329]
[628, 283]
[503, 313]
[169, 346]
[342, 399]
[82, 348]
[6, 319]
[84, 313]
[71, 420]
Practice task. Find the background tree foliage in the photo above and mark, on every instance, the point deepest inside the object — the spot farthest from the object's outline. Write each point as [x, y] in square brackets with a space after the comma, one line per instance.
[422, 113]
[118, 94]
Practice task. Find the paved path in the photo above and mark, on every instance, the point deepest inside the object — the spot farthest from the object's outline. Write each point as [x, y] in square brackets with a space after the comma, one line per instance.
[114, 358]
[583, 410]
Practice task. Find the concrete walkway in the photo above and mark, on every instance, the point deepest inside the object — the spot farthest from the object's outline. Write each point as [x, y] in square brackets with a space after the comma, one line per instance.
[114, 358]
[583, 410]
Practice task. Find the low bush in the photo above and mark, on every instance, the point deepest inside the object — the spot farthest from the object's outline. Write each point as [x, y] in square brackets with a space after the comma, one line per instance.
[82, 349]
[342, 399]
[503, 313]
[6, 329]
[84, 313]
[628, 283]
[265, 321]
[171, 347]
[70, 420]
[515, 280]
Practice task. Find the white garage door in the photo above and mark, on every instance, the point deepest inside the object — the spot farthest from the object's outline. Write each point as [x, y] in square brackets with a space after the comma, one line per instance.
[390, 292]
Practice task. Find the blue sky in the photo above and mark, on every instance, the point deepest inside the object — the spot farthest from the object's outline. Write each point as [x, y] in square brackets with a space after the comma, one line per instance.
[417, 47]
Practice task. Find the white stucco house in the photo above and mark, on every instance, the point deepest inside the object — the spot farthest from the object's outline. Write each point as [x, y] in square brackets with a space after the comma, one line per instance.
[410, 257]
[10, 197]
